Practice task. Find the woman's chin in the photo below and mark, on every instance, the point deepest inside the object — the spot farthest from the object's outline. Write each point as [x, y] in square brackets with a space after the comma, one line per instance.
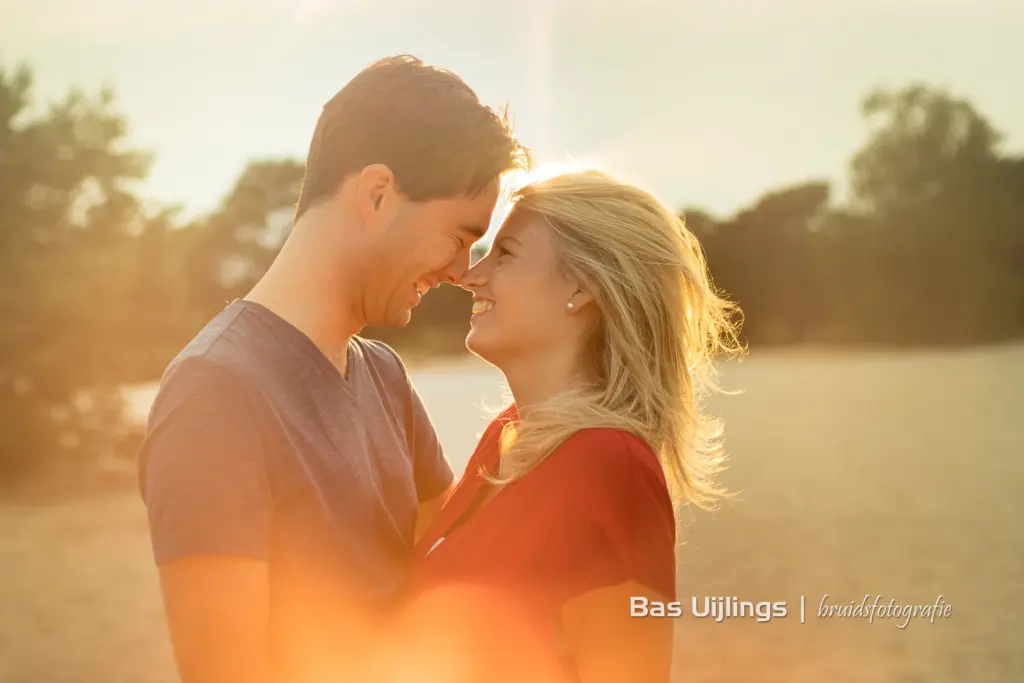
[479, 345]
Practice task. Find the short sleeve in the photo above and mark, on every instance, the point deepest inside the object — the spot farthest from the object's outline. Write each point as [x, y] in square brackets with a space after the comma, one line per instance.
[202, 467]
[432, 471]
[623, 501]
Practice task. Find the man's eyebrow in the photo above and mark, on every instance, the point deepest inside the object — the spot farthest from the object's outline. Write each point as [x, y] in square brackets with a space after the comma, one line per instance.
[476, 231]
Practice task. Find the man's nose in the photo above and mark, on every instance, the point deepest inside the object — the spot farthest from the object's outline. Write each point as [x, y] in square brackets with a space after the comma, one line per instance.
[456, 272]
[454, 275]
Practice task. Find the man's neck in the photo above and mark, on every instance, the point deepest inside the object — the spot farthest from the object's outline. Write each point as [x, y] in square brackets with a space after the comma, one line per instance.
[306, 293]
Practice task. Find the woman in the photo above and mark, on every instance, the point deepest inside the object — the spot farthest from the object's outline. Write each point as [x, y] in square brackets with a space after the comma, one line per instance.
[595, 303]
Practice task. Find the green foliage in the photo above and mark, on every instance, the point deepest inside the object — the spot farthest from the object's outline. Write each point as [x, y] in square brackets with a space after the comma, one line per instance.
[232, 247]
[69, 248]
[99, 290]
[931, 251]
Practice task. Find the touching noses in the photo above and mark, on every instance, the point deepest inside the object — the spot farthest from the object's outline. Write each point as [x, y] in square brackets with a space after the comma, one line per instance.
[475, 277]
[456, 269]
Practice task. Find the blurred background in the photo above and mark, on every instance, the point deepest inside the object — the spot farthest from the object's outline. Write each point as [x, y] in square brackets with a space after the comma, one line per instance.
[854, 170]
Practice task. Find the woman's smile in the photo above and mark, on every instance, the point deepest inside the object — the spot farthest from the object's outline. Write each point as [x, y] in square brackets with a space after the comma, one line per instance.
[481, 306]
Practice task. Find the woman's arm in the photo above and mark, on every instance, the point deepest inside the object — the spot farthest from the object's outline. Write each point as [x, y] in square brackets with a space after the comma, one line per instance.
[624, 536]
[609, 645]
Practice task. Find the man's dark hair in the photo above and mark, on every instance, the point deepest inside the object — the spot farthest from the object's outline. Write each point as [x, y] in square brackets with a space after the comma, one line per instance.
[422, 122]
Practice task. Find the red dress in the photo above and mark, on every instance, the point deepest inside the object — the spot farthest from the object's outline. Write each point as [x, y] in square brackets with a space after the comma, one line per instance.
[595, 513]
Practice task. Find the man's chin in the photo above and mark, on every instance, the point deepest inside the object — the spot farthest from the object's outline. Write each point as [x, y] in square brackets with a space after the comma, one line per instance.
[392, 318]
[401, 318]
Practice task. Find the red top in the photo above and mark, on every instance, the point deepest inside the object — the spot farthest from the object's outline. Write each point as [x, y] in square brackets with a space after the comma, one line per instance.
[595, 513]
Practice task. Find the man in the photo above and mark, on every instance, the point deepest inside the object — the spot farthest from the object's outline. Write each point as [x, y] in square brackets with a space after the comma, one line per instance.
[288, 463]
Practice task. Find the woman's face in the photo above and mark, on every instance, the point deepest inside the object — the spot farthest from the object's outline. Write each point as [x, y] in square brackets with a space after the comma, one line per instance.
[520, 299]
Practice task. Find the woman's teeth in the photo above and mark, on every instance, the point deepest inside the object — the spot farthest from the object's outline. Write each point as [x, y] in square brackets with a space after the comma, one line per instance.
[482, 307]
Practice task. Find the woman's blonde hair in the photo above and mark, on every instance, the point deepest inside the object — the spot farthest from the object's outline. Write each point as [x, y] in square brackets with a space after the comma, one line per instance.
[662, 325]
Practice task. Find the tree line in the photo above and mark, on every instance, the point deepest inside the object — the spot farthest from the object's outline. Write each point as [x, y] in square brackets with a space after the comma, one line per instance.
[101, 288]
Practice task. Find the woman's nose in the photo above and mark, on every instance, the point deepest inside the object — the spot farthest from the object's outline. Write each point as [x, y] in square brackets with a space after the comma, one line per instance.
[474, 277]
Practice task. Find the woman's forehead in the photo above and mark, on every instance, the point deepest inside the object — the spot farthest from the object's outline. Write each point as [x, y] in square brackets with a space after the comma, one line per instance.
[524, 226]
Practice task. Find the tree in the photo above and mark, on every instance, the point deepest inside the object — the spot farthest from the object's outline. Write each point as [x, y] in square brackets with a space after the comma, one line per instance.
[946, 207]
[231, 249]
[100, 290]
[924, 143]
[67, 221]
[763, 259]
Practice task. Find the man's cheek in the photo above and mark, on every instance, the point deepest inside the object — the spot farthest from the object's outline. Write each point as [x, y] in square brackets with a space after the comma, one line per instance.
[445, 261]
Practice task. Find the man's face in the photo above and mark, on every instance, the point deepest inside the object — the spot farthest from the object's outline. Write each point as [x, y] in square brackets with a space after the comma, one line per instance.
[423, 245]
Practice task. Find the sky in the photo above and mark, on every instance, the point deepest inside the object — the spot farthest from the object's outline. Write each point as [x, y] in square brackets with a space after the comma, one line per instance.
[707, 103]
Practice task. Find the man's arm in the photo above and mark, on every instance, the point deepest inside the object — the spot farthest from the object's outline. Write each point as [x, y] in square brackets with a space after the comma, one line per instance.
[435, 479]
[429, 510]
[432, 474]
[205, 484]
[217, 615]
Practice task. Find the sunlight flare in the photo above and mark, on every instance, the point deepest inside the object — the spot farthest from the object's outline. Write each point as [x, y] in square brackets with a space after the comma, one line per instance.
[308, 9]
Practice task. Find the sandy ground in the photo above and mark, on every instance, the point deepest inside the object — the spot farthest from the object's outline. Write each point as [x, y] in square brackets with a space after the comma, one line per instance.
[888, 474]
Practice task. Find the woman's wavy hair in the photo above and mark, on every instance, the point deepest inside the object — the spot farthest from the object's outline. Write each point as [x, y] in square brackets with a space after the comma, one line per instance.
[662, 326]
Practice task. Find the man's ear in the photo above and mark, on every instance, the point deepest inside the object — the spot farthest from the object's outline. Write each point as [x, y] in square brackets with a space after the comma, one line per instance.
[374, 185]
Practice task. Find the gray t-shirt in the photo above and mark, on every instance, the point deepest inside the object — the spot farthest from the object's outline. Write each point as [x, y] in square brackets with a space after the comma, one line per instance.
[256, 446]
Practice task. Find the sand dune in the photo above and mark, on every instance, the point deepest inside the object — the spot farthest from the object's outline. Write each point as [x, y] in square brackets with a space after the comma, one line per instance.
[891, 474]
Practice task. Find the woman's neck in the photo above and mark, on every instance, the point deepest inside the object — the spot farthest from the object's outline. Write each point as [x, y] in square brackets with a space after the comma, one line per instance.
[537, 378]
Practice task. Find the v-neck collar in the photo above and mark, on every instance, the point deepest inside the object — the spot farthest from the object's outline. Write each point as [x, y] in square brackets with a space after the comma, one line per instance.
[301, 342]
[464, 505]
[473, 503]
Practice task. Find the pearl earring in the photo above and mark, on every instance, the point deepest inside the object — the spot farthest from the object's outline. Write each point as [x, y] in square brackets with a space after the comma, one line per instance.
[570, 305]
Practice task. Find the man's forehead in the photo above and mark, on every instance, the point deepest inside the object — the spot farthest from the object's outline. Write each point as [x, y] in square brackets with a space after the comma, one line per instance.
[475, 213]
[478, 207]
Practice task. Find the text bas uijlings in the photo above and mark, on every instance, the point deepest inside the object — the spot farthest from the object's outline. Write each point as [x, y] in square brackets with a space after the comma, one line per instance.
[716, 608]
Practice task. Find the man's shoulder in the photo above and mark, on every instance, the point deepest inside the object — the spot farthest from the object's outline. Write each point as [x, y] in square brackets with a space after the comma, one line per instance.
[217, 354]
[383, 360]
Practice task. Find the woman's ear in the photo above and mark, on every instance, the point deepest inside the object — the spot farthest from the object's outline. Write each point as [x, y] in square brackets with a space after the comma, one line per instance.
[578, 300]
